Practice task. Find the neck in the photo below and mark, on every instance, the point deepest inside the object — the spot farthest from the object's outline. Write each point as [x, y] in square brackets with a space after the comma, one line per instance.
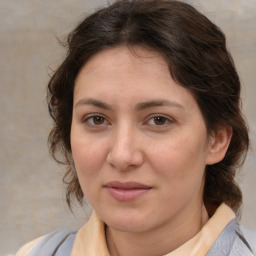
[160, 241]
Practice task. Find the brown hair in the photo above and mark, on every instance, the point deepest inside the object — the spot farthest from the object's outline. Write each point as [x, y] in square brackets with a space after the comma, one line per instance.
[198, 59]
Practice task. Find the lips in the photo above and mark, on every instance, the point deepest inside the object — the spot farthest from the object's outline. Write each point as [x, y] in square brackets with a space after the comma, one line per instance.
[126, 191]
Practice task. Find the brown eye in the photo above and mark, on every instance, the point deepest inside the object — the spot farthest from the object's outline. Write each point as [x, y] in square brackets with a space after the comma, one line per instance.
[95, 121]
[160, 120]
[98, 120]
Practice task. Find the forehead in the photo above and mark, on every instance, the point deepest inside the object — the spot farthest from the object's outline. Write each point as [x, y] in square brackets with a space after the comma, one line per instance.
[120, 73]
[123, 59]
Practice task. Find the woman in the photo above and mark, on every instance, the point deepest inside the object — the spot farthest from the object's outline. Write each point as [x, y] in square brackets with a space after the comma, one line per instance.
[146, 110]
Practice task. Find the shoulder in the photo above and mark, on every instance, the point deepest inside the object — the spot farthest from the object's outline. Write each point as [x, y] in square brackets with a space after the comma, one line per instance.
[58, 243]
[250, 237]
[234, 240]
[27, 247]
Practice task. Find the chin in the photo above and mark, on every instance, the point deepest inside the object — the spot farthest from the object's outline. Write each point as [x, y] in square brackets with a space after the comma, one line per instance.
[135, 227]
[125, 222]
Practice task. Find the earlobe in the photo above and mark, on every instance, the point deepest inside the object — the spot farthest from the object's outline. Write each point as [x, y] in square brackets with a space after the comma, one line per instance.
[218, 144]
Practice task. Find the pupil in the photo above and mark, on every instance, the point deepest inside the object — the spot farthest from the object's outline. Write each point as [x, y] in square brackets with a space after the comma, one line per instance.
[159, 120]
[98, 120]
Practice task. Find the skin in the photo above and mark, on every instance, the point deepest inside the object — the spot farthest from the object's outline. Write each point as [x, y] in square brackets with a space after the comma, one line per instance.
[115, 136]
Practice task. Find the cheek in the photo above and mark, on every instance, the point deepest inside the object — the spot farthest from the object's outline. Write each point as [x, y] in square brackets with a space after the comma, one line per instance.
[180, 160]
[88, 157]
[88, 164]
[180, 172]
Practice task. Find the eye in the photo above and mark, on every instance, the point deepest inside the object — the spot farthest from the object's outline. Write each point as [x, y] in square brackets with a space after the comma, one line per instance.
[95, 120]
[159, 120]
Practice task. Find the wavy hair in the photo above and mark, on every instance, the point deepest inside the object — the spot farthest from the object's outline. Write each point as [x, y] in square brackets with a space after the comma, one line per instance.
[195, 50]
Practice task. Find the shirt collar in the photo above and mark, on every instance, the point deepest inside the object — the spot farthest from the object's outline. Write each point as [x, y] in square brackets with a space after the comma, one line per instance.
[91, 240]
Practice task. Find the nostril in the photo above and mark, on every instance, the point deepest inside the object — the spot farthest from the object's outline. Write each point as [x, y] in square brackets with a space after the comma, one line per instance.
[124, 160]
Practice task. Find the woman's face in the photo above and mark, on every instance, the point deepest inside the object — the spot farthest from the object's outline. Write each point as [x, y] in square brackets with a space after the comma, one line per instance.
[139, 141]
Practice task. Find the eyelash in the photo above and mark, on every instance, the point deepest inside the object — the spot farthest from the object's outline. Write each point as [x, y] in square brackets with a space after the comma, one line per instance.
[167, 120]
[87, 119]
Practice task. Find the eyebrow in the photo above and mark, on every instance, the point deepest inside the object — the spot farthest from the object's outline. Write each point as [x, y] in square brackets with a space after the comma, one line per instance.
[139, 106]
[158, 103]
[94, 102]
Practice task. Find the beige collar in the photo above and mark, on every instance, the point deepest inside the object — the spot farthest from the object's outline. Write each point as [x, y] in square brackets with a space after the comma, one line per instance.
[90, 239]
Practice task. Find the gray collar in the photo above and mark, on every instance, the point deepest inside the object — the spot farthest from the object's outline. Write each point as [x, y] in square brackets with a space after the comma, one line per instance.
[231, 242]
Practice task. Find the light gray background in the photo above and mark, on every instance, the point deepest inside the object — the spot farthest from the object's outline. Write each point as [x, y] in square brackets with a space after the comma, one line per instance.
[31, 197]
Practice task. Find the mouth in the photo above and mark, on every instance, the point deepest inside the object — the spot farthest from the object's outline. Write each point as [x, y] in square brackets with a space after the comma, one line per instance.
[126, 191]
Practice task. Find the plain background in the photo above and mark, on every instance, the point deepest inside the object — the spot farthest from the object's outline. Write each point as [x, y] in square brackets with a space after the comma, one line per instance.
[31, 192]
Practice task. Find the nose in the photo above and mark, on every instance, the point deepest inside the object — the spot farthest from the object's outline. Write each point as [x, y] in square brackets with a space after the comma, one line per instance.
[125, 152]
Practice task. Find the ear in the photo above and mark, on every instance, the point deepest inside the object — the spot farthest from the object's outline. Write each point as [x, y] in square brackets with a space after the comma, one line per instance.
[218, 144]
